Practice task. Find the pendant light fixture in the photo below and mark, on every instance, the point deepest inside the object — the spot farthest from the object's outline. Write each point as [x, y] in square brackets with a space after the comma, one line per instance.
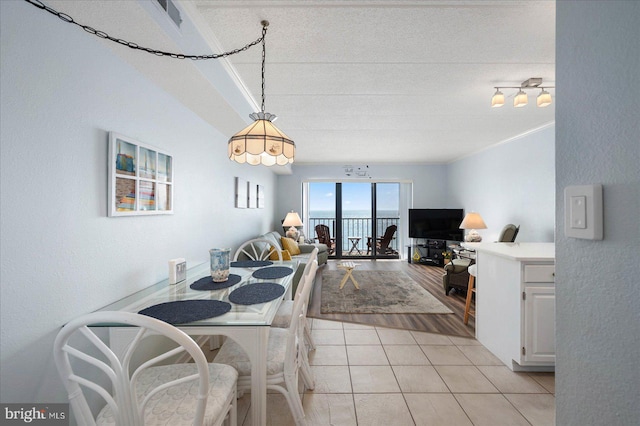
[261, 142]
[521, 98]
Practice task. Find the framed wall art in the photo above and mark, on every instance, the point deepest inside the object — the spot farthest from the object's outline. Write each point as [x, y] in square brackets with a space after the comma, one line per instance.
[260, 196]
[140, 178]
[253, 195]
[241, 193]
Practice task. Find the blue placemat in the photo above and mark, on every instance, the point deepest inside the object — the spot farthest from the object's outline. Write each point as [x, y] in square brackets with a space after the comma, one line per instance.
[183, 311]
[251, 294]
[251, 263]
[272, 273]
[207, 283]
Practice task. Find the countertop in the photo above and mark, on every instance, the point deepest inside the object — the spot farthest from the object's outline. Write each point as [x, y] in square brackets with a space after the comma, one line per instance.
[516, 251]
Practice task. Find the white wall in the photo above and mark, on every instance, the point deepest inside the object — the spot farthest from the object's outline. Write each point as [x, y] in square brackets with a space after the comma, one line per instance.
[429, 182]
[429, 187]
[512, 182]
[597, 290]
[62, 91]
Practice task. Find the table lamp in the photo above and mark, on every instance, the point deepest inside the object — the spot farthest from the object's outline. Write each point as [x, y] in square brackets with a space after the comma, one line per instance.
[292, 220]
[473, 221]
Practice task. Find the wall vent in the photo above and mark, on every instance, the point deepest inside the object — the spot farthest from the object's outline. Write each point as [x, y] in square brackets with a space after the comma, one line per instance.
[171, 9]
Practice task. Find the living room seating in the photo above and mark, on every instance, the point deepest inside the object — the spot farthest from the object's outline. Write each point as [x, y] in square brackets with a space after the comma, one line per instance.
[382, 243]
[193, 393]
[258, 249]
[324, 237]
[456, 275]
[293, 250]
[508, 233]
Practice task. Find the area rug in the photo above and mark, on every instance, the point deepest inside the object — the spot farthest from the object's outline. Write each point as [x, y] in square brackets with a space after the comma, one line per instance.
[381, 292]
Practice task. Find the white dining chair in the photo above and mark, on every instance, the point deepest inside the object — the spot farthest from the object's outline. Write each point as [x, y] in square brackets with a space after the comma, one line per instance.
[286, 359]
[196, 393]
[257, 249]
[282, 318]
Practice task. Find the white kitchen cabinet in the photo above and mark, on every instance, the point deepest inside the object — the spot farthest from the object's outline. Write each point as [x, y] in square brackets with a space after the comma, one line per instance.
[539, 324]
[515, 303]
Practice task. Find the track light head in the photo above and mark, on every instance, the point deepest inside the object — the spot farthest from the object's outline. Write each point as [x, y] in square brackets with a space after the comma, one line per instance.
[498, 99]
[521, 99]
[543, 99]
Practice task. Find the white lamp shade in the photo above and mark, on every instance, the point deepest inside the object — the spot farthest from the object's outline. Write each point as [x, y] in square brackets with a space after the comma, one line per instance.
[543, 99]
[520, 100]
[497, 100]
[261, 143]
[292, 219]
[473, 221]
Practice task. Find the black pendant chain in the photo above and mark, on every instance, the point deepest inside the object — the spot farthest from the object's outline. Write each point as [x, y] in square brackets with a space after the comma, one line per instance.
[132, 45]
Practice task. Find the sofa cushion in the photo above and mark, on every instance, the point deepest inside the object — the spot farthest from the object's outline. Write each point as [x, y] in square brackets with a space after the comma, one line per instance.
[274, 255]
[290, 245]
[274, 237]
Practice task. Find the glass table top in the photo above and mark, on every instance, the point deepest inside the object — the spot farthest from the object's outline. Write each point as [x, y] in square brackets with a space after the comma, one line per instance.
[162, 292]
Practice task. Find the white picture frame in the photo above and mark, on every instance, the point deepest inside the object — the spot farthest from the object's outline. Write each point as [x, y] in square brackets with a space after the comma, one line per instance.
[241, 193]
[141, 178]
[260, 196]
[253, 195]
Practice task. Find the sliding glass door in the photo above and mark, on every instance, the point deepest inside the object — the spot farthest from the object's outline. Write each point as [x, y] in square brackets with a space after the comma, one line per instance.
[387, 209]
[362, 217]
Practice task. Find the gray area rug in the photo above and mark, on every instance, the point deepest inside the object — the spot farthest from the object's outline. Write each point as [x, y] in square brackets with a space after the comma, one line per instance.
[381, 292]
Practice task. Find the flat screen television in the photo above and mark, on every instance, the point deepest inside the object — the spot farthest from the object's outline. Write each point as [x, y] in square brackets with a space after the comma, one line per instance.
[437, 224]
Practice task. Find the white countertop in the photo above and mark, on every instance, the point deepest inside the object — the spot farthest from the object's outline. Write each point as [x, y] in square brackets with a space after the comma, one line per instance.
[516, 251]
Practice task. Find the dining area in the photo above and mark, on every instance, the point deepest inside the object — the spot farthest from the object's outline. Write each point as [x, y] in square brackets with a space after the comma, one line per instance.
[251, 312]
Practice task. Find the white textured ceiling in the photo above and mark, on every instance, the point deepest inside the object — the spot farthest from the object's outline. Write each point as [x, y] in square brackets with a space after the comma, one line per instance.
[391, 81]
[352, 82]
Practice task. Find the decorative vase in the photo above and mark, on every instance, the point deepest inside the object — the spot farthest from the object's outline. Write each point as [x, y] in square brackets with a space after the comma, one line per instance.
[416, 256]
[219, 264]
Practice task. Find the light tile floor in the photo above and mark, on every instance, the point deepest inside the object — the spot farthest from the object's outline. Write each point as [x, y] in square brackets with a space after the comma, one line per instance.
[368, 375]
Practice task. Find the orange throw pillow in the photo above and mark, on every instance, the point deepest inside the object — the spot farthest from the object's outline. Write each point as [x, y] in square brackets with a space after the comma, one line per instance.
[274, 254]
[290, 245]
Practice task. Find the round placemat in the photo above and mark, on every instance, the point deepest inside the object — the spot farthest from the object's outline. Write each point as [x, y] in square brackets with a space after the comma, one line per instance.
[251, 294]
[251, 263]
[207, 283]
[184, 311]
[272, 273]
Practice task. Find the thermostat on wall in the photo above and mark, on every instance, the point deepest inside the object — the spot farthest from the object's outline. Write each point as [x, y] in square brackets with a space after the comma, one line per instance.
[177, 270]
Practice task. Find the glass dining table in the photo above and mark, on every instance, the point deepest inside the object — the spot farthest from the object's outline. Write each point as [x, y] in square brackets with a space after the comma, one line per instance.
[248, 325]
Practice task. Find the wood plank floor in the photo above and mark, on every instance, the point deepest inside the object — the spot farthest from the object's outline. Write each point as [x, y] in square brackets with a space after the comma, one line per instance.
[429, 277]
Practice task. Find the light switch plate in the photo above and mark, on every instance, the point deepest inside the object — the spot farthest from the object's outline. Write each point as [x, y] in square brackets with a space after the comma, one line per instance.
[583, 212]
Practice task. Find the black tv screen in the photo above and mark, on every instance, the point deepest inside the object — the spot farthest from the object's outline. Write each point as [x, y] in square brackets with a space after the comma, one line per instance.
[437, 224]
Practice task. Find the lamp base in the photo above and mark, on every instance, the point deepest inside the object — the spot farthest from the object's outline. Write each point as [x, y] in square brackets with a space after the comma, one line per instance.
[292, 233]
[473, 237]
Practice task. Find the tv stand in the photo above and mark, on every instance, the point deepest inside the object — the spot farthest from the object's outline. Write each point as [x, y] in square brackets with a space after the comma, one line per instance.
[430, 252]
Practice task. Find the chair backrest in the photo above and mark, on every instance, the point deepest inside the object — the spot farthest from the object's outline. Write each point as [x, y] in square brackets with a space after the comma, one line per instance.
[257, 249]
[324, 237]
[508, 233]
[313, 256]
[388, 236]
[295, 338]
[126, 409]
[309, 273]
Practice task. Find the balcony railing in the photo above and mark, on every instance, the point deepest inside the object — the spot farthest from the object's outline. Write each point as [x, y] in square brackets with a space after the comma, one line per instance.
[355, 228]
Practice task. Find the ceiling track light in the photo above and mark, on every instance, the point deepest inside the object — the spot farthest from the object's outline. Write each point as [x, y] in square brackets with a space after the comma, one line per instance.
[521, 98]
